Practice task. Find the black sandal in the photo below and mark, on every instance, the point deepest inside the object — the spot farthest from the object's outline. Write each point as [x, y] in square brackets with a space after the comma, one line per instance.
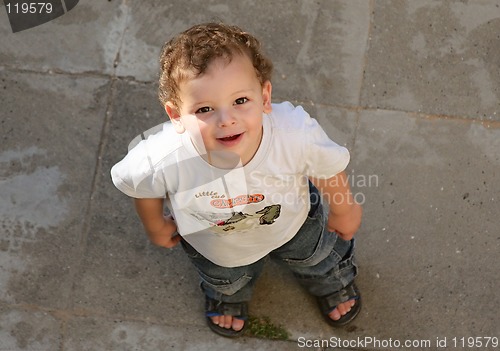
[214, 308]
[329, 302]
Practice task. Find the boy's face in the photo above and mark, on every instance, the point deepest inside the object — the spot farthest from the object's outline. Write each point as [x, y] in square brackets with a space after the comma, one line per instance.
[222, 109]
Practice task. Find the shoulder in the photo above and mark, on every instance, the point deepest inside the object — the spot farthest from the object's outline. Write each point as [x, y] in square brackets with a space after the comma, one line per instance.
[149, 151]
[141, 172]
[287, 117]
[156, 144]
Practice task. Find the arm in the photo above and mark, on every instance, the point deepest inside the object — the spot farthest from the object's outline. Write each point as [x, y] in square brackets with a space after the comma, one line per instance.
[345, 214]
[160, 229]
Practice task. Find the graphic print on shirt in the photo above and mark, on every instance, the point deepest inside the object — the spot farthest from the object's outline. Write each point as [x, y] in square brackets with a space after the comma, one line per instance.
[226, 223]
[240, 221]
[245, 221]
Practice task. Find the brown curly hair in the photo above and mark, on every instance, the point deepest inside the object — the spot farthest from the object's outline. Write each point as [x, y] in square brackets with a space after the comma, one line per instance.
[190, 53]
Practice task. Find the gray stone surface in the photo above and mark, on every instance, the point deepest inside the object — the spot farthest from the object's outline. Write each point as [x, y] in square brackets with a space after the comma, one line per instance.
[431, 248]
[435, 57]
[105, 334]
[50, 136]
[86, 39]
[33, 329]
[411, 88]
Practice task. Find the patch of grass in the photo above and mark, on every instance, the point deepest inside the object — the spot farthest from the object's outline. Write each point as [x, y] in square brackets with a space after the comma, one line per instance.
[262, 327]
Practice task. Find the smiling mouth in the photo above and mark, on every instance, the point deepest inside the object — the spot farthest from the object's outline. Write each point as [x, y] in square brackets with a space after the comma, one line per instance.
[230, 138]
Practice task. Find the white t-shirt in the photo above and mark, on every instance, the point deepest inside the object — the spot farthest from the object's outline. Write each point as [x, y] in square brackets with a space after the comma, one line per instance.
[236, 216]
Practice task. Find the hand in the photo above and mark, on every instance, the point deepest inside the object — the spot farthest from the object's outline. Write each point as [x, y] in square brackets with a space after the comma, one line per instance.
[347, 224]
[165, 236]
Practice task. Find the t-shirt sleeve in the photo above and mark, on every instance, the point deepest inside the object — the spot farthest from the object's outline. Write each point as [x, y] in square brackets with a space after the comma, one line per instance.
[136, 177]
[323, 157]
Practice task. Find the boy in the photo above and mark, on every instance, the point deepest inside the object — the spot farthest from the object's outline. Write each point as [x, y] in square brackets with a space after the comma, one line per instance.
[237, 173]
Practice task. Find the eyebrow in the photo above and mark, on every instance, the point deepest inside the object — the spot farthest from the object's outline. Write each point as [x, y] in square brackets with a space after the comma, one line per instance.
[242, 91]
[206, 102]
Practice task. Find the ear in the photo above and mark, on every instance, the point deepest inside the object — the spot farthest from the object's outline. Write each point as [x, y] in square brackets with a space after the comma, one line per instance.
[266, 96]
[175, 117]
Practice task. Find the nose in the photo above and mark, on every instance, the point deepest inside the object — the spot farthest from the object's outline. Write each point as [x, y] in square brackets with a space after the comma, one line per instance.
[226, 118]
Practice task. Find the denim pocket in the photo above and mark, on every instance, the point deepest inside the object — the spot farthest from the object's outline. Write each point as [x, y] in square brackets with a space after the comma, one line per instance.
[322, 249]
[189, 250]
[332, 254]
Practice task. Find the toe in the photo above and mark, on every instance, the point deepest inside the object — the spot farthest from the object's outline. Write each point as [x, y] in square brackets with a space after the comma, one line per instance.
[335, 314]
[341, 310]
[228, 321]
[238, 324]
[344, 308]
[215, 320]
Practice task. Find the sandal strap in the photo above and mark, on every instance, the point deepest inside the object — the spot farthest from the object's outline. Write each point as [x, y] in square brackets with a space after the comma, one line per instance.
[215, 308]
[328, 303]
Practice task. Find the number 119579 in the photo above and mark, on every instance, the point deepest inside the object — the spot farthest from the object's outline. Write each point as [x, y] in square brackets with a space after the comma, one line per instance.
[25, 7]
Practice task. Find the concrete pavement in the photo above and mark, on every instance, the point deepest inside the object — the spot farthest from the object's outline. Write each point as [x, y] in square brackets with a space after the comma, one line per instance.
[410, 87]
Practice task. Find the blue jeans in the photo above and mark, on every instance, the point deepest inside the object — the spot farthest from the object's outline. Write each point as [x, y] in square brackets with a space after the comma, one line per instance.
[322, 262]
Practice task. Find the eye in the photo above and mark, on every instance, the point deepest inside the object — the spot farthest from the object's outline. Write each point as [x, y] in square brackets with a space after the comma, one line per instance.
[204, 109]
[240, 101]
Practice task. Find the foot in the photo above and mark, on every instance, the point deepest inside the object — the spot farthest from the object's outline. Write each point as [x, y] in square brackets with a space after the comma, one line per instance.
[225, 318]
[228, 322]
[337, 311]
[342, 309]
